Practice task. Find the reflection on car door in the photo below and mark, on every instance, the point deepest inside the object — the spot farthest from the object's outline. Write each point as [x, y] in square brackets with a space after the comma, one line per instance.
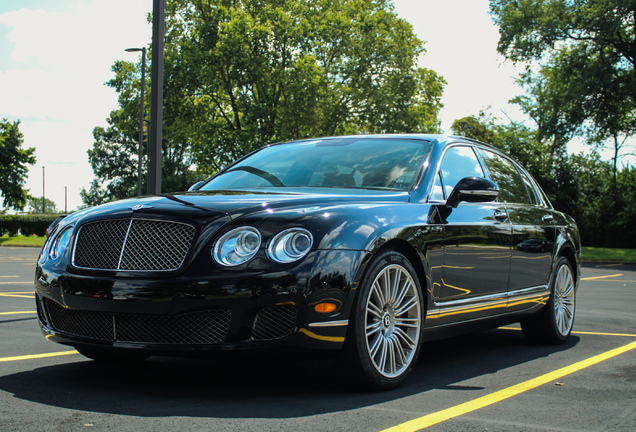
[477, 247]
[533, 234]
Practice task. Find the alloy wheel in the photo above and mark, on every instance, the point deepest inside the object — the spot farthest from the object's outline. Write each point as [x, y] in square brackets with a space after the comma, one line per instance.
[564, 300]
[392, 324]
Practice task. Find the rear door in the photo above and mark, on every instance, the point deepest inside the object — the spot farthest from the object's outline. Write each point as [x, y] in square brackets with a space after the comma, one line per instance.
[533, 232]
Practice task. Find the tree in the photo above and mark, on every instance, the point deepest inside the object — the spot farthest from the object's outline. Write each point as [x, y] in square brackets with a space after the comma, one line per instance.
[514, 138]
[13, 164]
[244, 73]
[580, 185]
[34, 205]
[585, 83]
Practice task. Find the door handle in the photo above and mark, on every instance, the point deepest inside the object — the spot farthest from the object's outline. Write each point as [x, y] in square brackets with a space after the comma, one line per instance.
[501, 215]
[547, 218]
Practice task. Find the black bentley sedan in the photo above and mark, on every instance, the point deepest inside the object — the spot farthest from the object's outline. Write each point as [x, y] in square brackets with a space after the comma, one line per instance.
[368, 246]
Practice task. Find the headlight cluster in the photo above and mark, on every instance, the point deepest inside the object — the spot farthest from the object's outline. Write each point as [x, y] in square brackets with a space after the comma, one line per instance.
[61, 242]
[237, 246]
[241, 244]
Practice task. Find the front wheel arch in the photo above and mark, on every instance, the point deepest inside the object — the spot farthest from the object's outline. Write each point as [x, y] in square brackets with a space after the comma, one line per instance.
[386, 322]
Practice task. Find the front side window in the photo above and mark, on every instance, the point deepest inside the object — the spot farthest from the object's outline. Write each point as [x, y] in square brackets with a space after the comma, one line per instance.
[458, 162]
[362, 163]
[505, 175]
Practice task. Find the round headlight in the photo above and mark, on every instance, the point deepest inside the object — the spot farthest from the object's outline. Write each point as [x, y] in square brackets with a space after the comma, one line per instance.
[61, 242]
[237, 246]
[290, 245]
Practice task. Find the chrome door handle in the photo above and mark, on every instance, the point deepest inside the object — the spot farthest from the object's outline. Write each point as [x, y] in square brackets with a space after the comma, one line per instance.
[501, 215]
[547, 218]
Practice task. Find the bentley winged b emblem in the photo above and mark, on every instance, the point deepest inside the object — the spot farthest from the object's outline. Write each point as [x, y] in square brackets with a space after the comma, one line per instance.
[141, 206]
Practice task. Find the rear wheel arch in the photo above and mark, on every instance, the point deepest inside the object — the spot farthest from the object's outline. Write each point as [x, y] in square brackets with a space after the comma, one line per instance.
[568, 252]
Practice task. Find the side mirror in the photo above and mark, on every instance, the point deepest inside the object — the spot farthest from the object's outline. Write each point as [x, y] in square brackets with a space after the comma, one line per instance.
[473, 189]
[196, 185]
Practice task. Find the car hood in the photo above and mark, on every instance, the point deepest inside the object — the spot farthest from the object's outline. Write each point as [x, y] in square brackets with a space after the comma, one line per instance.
[208, 205]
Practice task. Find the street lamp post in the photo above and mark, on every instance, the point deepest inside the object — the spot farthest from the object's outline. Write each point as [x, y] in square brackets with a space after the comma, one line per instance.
[43, 199]
[141, 113]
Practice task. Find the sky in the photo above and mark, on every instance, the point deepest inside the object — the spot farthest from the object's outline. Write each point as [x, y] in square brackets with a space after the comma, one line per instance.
[55, 57]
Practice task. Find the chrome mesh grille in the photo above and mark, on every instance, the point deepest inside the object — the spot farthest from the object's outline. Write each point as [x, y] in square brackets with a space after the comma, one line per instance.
[274, 322]
[193, 328]
[132, 244]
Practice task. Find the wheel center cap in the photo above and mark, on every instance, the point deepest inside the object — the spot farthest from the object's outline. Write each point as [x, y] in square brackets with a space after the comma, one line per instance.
[386, 320]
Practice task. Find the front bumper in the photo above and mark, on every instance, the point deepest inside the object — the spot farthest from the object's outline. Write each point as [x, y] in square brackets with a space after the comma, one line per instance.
[187, 314]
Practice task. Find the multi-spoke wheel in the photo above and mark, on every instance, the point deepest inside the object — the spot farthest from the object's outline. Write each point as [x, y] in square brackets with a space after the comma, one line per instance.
[384, 333]
[554, 323]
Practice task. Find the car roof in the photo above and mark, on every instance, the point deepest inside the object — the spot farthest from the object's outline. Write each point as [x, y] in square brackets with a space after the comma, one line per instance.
[440, 140]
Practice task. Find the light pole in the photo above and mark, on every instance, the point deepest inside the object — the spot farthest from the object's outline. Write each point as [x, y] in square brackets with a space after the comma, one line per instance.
[156, 99]
[43, 199]
[141, 113]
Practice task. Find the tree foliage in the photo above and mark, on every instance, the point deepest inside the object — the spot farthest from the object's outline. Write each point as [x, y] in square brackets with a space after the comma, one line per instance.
[35, 205]
[13, 164]
[244, 73]
[585, 83]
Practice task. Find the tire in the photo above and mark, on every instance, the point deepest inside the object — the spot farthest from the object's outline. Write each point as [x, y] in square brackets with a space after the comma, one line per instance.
[554, 323]
[384, 334]
[111, 356]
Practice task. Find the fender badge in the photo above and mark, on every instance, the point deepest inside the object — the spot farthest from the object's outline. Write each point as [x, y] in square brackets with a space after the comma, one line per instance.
[141, 206]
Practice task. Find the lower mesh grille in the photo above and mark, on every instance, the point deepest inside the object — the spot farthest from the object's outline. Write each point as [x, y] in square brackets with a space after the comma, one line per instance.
[203, 327]
[274, 322]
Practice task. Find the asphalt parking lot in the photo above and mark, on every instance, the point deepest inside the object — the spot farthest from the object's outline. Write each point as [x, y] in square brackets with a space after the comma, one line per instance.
[492, 381]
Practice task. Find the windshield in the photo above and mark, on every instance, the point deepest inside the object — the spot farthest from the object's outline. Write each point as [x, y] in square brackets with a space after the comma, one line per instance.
[359, 163]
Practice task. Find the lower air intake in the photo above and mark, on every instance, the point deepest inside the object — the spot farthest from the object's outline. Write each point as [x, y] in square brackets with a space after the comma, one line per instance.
[194, 328]
[274, 322]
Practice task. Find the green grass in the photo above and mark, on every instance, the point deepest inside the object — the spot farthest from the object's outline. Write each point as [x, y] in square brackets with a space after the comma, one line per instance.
[25, 241]
[589, 253]
[608, 254]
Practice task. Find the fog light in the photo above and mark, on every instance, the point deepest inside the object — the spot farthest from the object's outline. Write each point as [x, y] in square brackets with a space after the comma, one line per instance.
[325, 307]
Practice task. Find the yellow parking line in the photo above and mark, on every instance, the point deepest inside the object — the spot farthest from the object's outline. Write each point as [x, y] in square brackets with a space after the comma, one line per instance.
[622, 280]
[37, 356]
[498, 396]
[18, 313]
[17, 295]
[601, 277]
[10, 276]
[583, 332]
[14, 283]
[604, 334]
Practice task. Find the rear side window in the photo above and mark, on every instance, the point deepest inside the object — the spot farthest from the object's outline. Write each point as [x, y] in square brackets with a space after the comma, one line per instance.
[534, 199]
[505, 175]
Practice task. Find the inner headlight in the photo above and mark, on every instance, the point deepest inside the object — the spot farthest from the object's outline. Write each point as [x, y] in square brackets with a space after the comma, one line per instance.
[290, 245]
[237, 246]
[61, 242]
